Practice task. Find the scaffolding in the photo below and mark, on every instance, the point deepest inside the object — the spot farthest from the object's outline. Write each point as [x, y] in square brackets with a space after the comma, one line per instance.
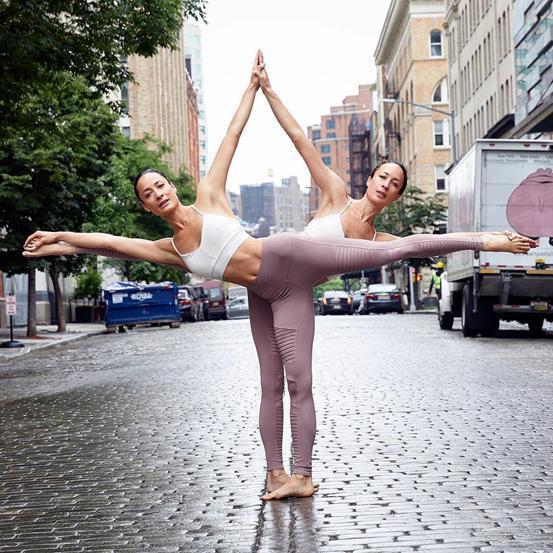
[359, 136]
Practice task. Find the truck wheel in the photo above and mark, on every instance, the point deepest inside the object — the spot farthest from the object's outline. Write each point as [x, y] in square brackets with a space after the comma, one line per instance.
[469, 320]
[445, 318]
[535, 326]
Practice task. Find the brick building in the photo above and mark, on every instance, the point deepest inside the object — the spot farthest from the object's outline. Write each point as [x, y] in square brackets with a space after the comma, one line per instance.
[412, 67]
[331, 138]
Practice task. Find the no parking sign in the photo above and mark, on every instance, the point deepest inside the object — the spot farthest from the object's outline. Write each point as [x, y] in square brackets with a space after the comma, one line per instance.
[11, 306]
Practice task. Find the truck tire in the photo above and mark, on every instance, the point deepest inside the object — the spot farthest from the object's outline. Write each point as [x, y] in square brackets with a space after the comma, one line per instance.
[535, 326]
[469, 320]
[488, 319]
[445, 318]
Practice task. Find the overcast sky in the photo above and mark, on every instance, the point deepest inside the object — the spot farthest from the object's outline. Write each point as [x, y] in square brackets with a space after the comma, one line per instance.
[316, 52]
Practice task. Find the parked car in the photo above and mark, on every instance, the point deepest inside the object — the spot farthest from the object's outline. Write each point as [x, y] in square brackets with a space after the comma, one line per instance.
[216, 296]
[383, 298]
[337, 301]
[358, 299]
[238, 308]
[190, 304]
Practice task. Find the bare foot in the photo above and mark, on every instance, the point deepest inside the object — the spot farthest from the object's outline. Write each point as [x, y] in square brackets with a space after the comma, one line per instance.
[507, 242]
[297, 486]
[276, 479]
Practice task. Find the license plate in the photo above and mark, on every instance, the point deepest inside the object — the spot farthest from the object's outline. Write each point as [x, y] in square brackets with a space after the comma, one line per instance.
[215, 304]
[384, 297]
[539, 305]
[336, 307]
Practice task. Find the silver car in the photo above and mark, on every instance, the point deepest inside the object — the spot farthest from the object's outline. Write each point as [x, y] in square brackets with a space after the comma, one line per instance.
[238, 308]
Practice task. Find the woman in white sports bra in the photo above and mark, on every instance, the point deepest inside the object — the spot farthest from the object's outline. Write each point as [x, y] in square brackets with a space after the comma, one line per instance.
[279, 272]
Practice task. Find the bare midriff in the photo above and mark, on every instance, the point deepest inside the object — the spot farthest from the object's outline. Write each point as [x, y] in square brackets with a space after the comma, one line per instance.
[243, 266]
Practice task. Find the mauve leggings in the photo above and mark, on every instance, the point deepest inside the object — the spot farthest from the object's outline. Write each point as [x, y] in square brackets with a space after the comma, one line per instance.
[282, 321]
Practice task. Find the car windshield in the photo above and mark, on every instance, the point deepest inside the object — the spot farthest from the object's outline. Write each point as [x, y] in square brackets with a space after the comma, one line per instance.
[214, 293]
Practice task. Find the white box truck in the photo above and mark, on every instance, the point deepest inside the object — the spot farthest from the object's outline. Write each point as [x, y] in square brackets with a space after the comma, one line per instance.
[500, 185]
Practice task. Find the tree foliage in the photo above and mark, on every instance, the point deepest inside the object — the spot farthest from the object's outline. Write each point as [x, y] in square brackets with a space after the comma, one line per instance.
[416, 212]
[51, 173]
[87, 39]
[335, 283]
[120, 213]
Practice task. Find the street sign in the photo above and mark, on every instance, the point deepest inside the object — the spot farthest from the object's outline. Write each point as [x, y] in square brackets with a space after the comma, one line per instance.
[11, 306]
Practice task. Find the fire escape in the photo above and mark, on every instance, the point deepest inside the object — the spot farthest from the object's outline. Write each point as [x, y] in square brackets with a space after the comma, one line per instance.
[359, 136]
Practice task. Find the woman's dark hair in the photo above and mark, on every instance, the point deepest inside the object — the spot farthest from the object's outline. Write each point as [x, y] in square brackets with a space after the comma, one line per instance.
[145, 172]
[400, 165]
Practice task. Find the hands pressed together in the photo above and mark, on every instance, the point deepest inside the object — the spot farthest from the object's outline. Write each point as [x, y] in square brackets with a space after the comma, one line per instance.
[259, 77]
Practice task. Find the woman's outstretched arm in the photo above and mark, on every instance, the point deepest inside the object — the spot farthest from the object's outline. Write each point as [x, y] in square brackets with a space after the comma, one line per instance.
[326, 179]
[215, 180]
[42, 243]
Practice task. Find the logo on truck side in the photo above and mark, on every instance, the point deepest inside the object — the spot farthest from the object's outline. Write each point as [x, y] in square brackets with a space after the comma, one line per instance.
[530, 207]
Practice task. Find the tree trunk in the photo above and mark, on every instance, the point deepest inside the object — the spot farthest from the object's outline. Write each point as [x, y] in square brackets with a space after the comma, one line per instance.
[60, 311]
[31, 303]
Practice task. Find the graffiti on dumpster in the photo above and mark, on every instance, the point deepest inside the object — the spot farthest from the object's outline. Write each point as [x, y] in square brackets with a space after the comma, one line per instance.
[530, 207]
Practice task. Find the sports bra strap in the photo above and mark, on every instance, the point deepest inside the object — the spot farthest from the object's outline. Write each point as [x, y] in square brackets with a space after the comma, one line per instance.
[346, 206]
[196, 209]
[175, 247]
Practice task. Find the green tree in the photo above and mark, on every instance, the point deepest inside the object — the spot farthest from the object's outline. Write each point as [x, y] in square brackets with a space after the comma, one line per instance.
[121, 213]
[335, 283]
[416, 212]
[87, 39]
[51, 173]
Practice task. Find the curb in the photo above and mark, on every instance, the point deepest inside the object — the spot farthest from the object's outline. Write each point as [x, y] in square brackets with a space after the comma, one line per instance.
[26, 349]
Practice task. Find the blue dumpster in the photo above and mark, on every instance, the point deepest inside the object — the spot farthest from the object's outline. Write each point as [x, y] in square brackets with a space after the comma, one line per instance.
[129, 304]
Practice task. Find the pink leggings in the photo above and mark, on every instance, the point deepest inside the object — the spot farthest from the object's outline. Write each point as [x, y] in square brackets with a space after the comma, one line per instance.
[282, 321]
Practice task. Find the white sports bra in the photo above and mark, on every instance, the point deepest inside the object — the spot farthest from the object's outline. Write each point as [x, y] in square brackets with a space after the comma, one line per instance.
[329, 226]
[221, 237]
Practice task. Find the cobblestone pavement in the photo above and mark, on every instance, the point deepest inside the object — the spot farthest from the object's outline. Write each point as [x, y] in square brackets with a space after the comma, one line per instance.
[148, 441]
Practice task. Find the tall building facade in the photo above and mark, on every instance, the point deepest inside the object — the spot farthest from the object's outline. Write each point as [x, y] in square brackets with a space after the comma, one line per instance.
[481, 69]
[533, 44]
[412, 68]
[258, 201]
[333, 135]
[289, 213]
[194, 66]
[158, 104]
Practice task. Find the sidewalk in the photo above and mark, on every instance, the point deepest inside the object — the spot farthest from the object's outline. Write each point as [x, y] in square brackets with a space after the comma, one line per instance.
[47, 337]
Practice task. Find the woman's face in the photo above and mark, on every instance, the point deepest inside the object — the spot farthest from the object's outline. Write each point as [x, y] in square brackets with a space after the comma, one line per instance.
[158, 195]
[385, 186]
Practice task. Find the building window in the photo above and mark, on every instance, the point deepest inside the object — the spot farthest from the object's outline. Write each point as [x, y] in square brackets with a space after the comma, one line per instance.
[126, 131]
[435, 44]
[125, 98]
[331, 135]
[327, 160]
[330, 124]
[325, 149]
[440, 133]
[315, 134]
[439, 171]
[440, 93]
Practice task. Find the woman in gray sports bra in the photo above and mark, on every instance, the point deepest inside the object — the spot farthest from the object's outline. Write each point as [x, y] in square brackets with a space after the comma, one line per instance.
[279, 270]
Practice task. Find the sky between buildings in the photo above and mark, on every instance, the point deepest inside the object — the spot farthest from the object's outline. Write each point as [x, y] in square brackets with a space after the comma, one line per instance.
[316, 51]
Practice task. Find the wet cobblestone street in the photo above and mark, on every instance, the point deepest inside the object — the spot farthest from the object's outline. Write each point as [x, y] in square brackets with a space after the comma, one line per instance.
[148, 441]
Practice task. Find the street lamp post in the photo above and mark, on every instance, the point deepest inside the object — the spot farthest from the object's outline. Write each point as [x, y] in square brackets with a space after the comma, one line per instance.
[450, 114]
